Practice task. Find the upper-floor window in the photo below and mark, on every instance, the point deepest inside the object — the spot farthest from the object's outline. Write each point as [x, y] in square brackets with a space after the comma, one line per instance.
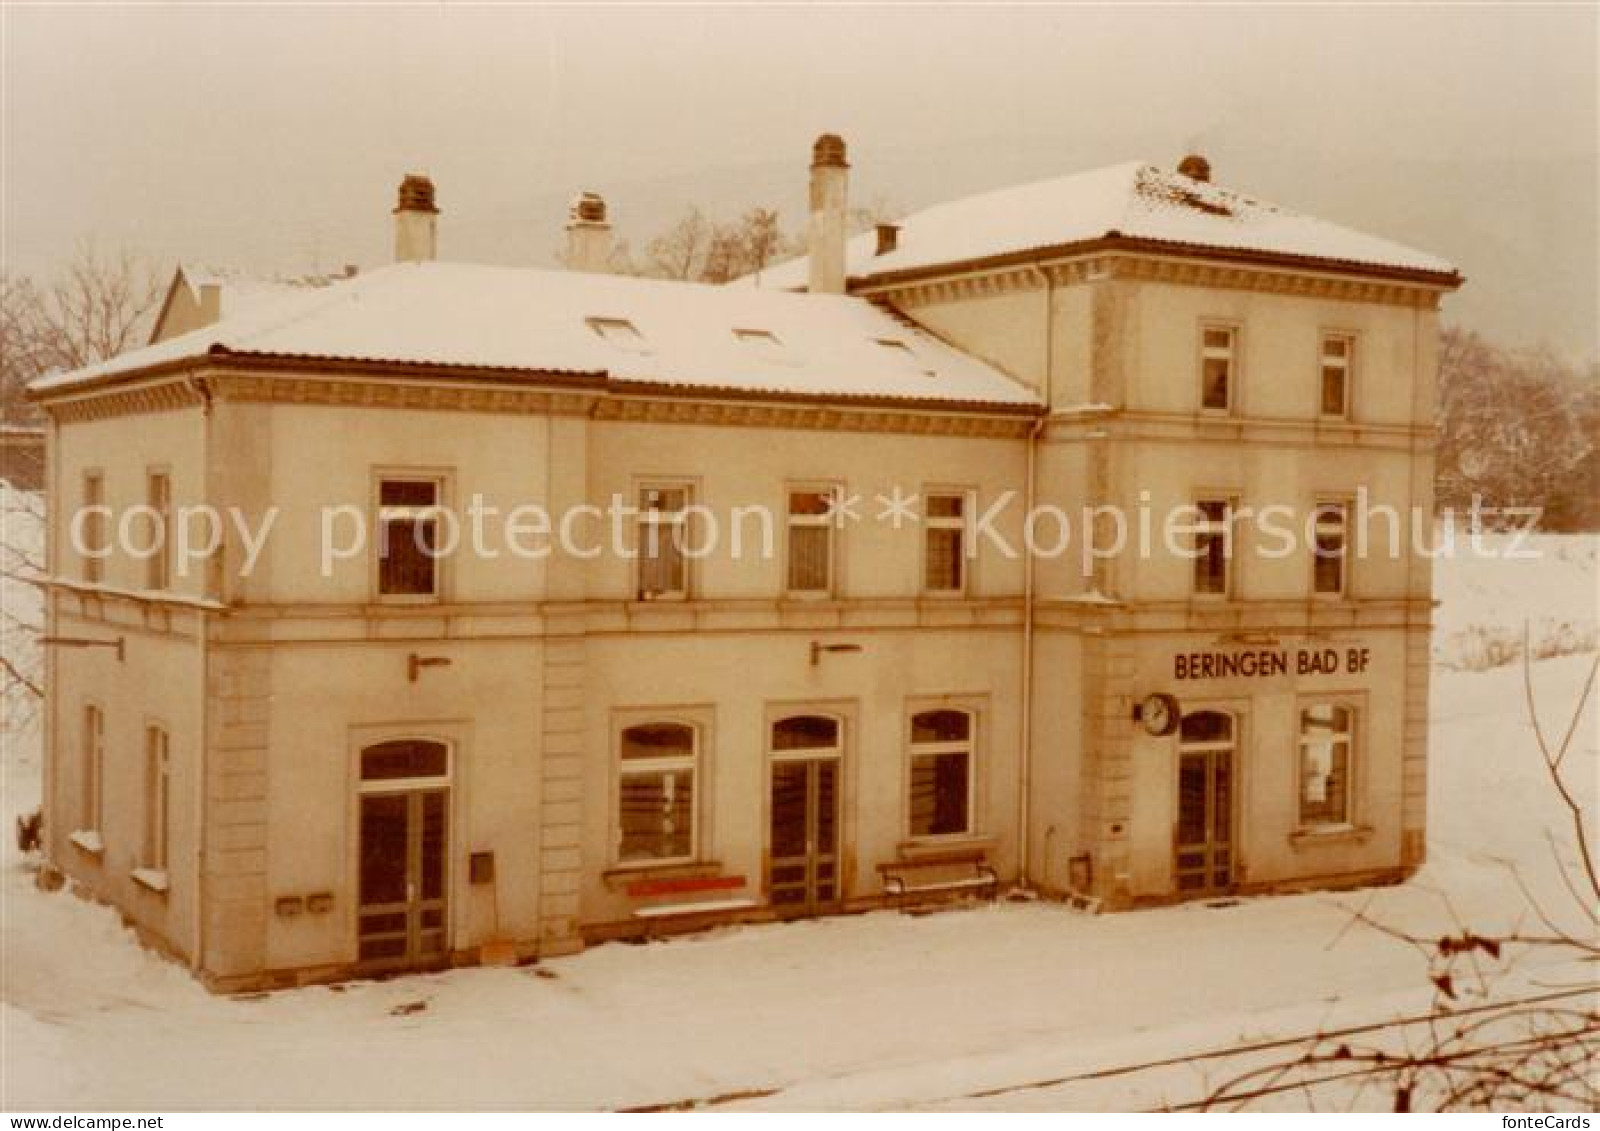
[158, 498]
[656, 786]
[1213, 547]
[942, 769]
[944, 566]
[1338, 362]
[92, 527]
[1218, 362]
[157, 799]
[408, 535]
[1330, 548]
[811, 528]
[1327, 741]
[663, 529]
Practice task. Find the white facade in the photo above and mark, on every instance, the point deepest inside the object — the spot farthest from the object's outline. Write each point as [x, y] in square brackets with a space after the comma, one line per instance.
[594, 751]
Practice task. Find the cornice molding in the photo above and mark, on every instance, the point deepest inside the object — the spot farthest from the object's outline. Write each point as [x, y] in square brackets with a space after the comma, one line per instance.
[1169, 269]
[170, 395]
[193, 389]
[340, 392]
[751, 414]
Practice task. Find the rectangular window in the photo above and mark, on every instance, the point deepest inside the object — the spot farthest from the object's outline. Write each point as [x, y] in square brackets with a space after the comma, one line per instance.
[944, 546]
[1338, 357]
[1326, 748]
[1330, 548]
[157, 799]
[940, 802]
[811, 526]
[1217, 349]
[1213, 546]
[663, 530]
[656, 780]
[94, 761]
[158, 497]
[408, 536]
[93, 527]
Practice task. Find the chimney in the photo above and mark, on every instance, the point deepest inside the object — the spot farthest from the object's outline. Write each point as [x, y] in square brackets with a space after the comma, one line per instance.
[416, 221]
[588, 234]
[888, 238]
[1195, 167]
[829, 197]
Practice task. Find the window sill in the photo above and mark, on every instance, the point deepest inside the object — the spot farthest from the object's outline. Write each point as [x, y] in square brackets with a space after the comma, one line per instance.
[619, 876]
[152, 878]
[937, 845]
[88, 840]
[1330, 834]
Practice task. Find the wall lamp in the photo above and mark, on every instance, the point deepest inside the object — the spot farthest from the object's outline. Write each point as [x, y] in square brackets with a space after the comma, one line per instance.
[818, 648]
[415, 664]
[116, 645]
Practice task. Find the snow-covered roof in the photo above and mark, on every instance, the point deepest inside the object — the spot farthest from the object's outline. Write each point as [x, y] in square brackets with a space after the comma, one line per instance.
[630, 331]
[1135, 201]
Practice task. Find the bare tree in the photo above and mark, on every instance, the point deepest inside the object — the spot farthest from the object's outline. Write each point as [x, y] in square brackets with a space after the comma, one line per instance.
[746, 246]
[699, 249]
[1515, 426]
[1476, 1050]
[98, 307]
[680, 252]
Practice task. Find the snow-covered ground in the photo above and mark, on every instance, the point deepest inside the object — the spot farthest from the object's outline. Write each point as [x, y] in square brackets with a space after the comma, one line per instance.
[965, 1009]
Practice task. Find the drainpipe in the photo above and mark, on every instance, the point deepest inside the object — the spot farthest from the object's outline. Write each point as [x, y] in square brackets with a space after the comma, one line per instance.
[203, 638]
[1025, 738]
[55, 508]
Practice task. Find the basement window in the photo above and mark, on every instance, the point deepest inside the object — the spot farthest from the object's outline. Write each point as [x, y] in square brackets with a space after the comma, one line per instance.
[619, 332]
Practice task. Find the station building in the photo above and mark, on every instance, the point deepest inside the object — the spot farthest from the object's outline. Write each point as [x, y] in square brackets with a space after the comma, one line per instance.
[298, 755]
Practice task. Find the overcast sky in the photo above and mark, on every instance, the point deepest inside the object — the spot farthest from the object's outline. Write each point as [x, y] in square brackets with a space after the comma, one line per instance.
[272, 138]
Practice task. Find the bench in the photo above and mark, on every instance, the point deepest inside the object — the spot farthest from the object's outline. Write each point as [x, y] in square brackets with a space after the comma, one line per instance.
[938, 874]
[687, 896]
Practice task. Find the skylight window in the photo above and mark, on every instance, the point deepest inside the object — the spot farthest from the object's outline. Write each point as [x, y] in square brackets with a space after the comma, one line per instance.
[904, 356]
[620, 333]
[766, 345]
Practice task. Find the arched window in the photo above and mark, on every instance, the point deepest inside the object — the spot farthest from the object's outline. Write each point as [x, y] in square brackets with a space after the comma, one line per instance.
[941, 785]
[816, 733]
[1203, 729]
[405, 759]
[656, 811]
[1327, 745]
